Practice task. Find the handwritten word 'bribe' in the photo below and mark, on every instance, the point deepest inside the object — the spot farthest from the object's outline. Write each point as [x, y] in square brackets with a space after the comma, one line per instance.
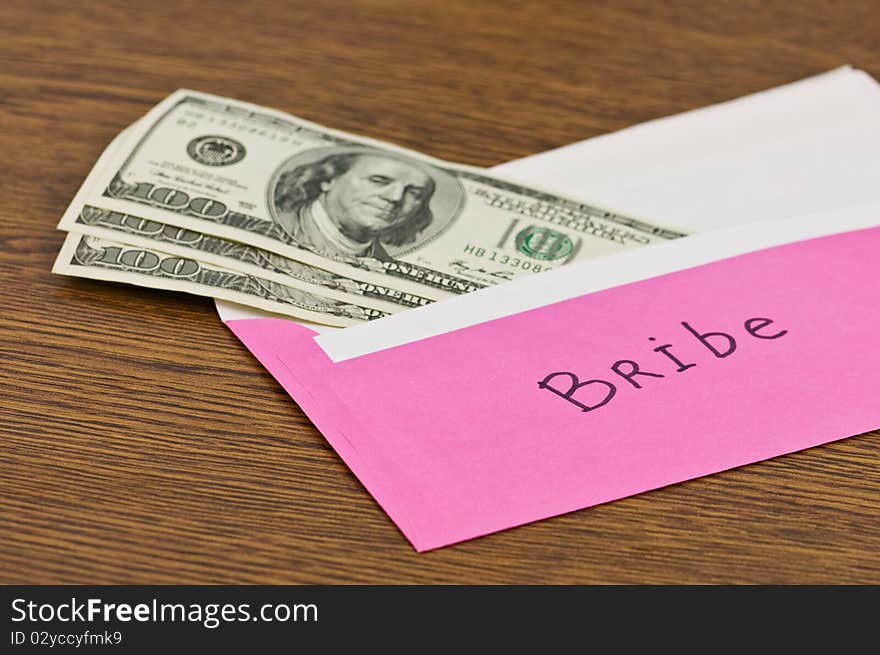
[600, 392]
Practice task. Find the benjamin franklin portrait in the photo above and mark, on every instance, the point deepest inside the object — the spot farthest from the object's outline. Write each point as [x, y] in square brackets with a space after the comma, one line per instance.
[362, 203]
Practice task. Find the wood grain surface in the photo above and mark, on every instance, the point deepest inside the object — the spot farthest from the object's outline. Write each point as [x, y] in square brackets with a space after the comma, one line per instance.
[141, 442]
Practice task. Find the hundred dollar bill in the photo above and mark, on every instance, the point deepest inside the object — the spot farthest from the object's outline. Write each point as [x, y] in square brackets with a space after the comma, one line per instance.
[241, 257]
[232, 255]
[91, 257]
[357, 207]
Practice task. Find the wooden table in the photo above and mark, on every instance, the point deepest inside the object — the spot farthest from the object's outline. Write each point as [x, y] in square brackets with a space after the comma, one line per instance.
[141, 442]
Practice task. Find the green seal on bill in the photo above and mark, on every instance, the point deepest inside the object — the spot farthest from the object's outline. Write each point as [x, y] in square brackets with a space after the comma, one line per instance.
[543, 243]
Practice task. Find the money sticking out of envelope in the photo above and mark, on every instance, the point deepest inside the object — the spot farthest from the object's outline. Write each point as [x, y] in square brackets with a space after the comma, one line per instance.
[627, 312]
[754, 337]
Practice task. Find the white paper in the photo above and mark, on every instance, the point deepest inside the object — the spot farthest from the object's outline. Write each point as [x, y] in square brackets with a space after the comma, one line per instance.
[788, 151]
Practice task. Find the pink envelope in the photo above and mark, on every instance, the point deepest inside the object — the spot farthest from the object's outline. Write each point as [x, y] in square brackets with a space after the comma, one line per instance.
[601, 396]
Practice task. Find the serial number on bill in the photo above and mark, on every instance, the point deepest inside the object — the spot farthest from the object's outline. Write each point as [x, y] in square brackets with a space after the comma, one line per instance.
[504, 259]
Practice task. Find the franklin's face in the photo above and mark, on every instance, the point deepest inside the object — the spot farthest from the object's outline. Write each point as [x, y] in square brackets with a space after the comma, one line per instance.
[375, 194]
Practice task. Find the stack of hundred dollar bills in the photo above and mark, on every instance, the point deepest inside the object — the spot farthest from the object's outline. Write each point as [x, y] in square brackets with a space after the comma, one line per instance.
[221, 198]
